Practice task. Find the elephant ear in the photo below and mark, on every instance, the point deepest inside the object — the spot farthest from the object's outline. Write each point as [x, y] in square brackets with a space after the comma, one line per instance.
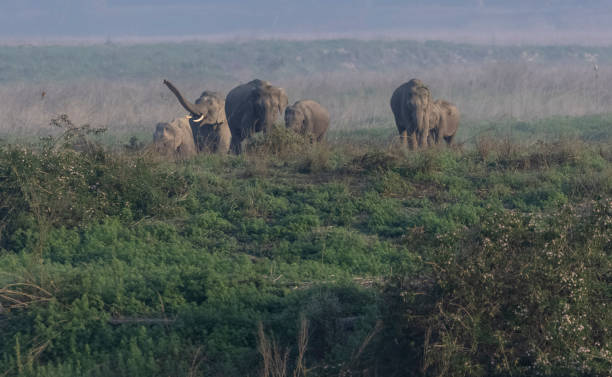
[221, 117]
[435, 114]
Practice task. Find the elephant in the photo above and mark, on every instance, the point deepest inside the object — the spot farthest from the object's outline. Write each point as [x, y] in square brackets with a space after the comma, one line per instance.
[307, 117]
[443, 121]
[175, 138]
[207, 120]
[411, 104]
[253, 107]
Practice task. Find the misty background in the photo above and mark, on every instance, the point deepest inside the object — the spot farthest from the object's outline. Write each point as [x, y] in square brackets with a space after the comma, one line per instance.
[102, 62]
[490, 21]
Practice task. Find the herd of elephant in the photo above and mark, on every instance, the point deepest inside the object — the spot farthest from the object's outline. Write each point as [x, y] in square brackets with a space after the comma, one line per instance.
[218, 125]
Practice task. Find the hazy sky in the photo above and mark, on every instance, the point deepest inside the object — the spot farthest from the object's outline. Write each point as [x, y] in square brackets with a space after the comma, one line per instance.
[40, 19]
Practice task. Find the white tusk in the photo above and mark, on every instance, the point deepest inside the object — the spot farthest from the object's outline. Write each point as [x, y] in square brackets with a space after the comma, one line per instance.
[199, 119]
[188, 116]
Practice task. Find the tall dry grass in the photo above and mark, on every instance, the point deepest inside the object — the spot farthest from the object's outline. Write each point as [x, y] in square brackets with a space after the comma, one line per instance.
[275, 358]
[356, 99]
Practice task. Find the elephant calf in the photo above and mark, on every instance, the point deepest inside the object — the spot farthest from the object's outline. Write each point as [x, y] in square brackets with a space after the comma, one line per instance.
[175, 138]
[444, 122]
[207, 120]
[307, 117]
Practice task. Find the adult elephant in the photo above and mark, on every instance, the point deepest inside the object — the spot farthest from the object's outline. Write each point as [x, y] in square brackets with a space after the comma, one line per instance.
[411, 104]
[174, 139]
[444, 122]
[307, 117]
[253, 107]
[207, 120]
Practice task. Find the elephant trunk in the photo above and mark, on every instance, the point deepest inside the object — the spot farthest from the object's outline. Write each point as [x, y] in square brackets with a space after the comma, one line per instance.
[418, 118]
[189, 106]
[422, 124]
[264, 117]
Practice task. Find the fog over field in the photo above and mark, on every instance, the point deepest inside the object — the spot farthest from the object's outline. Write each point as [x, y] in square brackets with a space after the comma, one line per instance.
[102, 62]
[490, 21]
[119, 86]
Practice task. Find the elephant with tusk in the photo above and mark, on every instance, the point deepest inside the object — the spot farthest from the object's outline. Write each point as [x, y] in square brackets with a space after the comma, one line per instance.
[207, 120]
[253, 107]
[411, 104]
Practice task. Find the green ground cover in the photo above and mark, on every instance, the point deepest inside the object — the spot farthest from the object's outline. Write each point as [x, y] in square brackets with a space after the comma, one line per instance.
[487, 259]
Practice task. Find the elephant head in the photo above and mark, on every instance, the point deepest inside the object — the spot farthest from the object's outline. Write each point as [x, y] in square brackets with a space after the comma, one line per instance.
[294, 118]
[420, 107]
[268, 102]
[165, 137]
[208, 109]
[174, 138]
[253, 107]
[307, 117]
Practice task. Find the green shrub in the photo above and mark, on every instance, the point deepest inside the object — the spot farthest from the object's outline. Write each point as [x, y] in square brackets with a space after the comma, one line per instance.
[116, 264]
[519, 295]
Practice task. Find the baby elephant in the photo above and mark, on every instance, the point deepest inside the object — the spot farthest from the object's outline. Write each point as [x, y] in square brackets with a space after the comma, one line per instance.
[444, 121]
[307, 117]
[175, 139]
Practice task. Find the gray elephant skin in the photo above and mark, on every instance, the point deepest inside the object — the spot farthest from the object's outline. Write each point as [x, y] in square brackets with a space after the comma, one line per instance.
[174, 139]
[411, 104]
[253, 107]
[444, 122]
[307, 117]
[207, 120]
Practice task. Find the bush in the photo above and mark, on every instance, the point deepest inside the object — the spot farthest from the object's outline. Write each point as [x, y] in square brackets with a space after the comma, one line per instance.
[519, 295]
[115, 264]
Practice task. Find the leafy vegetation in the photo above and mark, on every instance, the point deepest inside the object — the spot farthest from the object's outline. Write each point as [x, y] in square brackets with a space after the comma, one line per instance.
[350, 258]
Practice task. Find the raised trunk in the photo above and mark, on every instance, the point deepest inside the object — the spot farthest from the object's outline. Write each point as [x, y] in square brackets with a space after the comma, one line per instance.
[189, 106]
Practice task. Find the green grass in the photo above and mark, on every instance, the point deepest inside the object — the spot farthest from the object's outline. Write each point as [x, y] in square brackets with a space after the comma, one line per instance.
[591, 128]
[487, 260]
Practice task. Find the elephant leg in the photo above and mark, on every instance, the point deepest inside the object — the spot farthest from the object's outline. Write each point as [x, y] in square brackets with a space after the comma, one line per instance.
[224, 145]
[449, 139]
[413, 141]
[235, 145]
[437, 139]
[423, 139]
[404, 138]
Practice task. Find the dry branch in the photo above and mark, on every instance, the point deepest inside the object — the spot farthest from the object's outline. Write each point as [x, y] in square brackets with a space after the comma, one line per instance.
[141, 320]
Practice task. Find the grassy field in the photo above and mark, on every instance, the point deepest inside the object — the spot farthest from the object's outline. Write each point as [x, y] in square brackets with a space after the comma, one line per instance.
[485, 260]
[120, 86]
[349, 258]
